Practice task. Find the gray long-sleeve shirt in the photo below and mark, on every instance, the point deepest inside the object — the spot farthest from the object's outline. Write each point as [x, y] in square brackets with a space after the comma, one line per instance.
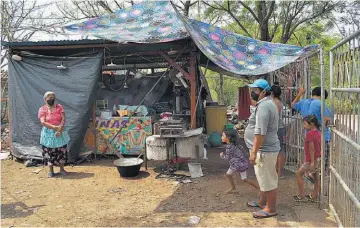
[264, 121]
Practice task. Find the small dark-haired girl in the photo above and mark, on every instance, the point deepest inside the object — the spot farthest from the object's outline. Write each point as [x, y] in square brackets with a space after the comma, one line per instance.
[238, 159]
[312, 160]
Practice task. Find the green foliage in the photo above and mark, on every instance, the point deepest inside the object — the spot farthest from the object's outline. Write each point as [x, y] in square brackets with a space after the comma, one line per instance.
[317, 34]
[265, 19]
[314, 30]
[230, 87]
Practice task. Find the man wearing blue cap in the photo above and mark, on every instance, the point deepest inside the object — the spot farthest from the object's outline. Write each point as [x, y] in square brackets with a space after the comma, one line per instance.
[262, 140]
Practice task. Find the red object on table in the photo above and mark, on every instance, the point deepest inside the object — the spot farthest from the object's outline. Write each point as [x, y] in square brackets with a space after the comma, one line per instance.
[178, 160]
[165, 115]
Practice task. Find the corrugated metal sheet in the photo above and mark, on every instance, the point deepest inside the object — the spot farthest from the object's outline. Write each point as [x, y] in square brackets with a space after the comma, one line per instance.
[73, 42]
[55, 42]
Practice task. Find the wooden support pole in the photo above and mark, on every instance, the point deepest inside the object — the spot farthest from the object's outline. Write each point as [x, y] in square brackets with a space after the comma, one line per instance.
[193, 90]
[94, 130]
[192, 78]
[9, 124]
[221, 91]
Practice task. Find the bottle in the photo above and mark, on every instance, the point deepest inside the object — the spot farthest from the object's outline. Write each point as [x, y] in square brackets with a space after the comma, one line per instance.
[114, 110]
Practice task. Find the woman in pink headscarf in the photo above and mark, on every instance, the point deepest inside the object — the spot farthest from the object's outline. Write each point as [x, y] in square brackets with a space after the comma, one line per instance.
[54, 137]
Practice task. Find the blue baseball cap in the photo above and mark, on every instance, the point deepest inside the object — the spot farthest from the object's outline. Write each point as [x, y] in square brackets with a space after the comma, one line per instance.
[260, 83]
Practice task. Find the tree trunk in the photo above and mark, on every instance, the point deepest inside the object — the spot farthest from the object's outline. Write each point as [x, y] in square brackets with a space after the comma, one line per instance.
[187, 8]
[262, 11]
[264, 32]
[221, 92]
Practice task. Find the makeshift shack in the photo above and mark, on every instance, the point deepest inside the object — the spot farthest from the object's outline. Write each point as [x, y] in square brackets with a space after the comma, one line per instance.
[146, 55]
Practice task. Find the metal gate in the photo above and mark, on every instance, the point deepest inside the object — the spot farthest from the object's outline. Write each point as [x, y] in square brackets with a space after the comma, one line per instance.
[291, 77]
[344, 188]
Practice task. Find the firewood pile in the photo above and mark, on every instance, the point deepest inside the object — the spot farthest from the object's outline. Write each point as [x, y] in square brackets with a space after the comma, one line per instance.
[240, 127]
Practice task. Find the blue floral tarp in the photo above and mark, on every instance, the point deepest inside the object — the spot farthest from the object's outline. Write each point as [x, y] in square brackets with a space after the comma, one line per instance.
[148, 22]
[158, 21]
[240, 54]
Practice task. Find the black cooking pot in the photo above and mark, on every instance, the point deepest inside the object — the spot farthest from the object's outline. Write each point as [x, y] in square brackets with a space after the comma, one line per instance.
[128, 167]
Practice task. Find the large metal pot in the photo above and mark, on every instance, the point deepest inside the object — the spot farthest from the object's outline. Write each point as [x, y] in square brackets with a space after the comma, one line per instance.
[128, 167]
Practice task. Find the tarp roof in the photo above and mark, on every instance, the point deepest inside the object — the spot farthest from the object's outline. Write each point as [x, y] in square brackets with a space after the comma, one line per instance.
[158, 22]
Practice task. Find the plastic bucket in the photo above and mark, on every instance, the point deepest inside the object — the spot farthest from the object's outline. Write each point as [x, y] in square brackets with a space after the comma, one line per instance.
[195, 170]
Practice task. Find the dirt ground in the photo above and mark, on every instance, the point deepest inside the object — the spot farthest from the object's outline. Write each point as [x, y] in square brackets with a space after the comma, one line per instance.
[94, 195]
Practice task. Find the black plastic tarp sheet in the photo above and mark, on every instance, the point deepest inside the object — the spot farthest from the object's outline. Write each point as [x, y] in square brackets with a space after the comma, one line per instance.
[136, 92]
[75, 88]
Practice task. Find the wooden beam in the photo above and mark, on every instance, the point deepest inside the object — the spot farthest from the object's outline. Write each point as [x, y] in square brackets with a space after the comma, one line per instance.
[175, 65]
[193, 90]
[221, 91]
[192, 78]
[9, 124]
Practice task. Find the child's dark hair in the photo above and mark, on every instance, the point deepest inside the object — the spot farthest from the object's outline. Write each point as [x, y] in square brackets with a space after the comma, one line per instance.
[317, 92]
[311, 119]
[232, 135]
[276, 91]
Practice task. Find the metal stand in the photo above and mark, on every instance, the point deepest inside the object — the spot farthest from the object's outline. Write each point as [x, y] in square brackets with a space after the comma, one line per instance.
[170, 145]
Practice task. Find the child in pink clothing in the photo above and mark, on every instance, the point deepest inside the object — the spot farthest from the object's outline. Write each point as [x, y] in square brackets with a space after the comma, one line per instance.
[311, 165]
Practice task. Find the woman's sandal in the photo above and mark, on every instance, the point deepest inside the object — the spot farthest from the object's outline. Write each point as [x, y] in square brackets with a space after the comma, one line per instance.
[51, 174]
[310, 198]
[254, 204]
[263, 214]
[63, 172]
[298, 198]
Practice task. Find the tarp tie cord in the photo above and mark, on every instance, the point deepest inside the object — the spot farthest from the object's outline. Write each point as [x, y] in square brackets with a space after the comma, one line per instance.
[142, 101]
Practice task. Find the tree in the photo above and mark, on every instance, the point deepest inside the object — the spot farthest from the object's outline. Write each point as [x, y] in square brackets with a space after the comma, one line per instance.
[230, 88]
[21, 20]
[185, 6]
[81, 10]
[347, 18]
[271, 17]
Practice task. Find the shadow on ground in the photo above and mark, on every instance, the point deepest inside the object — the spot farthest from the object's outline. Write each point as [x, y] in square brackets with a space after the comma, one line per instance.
[74, 175]
[206, 195]
[95, 195]
[142, 175]
[17, 210]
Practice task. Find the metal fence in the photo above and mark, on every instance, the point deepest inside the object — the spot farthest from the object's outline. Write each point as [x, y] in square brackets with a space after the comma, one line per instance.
[344, 189]
[291, 78]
